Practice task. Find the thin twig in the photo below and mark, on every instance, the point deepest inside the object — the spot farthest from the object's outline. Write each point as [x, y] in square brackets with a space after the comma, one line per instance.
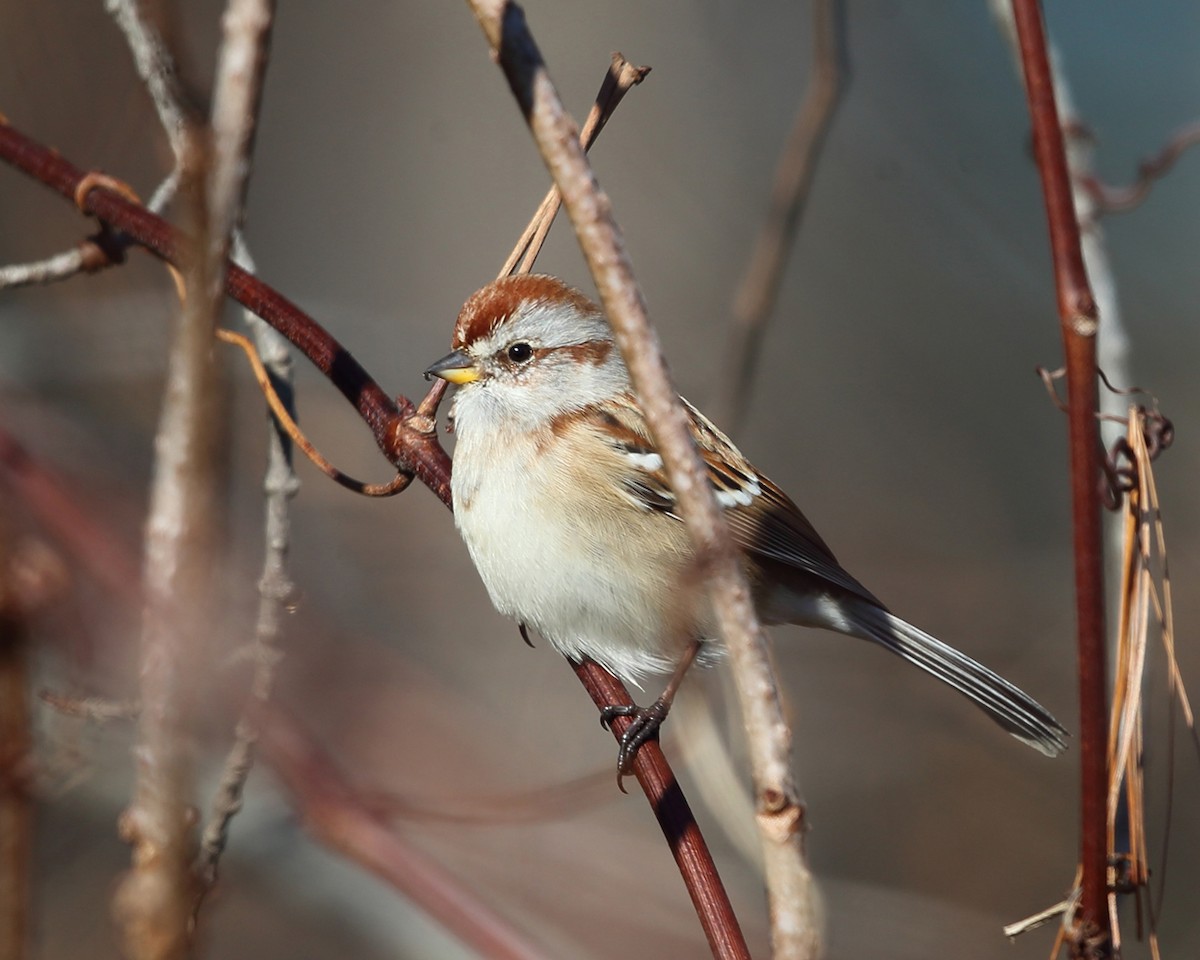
[285, 424]
[759, 288]
[337, 816]
[675, 819]
[621, 77]
[156, 67]
[241, 68]
[87, 257]
[795, 928]
[275, 588]
[1077, 311]
[237, 93]
[92, 709]
[1110, 199]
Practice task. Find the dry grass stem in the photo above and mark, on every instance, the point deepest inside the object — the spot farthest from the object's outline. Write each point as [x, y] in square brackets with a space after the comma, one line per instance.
[1145, 600]
[794, 913]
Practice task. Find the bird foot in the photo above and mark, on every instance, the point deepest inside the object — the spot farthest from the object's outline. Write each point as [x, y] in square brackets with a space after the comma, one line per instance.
[643, 726]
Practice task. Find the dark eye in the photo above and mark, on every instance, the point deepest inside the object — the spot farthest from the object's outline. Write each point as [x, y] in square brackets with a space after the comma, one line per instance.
[520, 352]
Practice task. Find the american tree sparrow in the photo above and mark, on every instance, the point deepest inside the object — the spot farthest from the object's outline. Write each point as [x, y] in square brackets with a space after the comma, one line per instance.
[566, 510]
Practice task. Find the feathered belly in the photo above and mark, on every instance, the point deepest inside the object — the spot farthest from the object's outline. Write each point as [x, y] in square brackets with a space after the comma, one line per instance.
[622, 594]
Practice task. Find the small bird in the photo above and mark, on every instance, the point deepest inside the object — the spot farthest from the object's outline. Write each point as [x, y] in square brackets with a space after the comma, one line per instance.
[565, 508]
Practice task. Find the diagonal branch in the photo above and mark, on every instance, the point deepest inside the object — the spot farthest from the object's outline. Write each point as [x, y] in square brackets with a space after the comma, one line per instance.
[343, 820]
[780, 814]
[794, 175]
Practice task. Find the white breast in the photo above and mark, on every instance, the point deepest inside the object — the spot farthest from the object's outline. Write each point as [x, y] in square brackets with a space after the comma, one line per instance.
[552, 555]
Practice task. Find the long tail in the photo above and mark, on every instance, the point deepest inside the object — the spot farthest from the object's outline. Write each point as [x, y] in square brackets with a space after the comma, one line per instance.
[1013, 709]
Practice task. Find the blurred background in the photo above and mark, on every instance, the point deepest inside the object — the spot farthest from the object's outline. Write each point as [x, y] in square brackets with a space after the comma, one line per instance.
[896, 401]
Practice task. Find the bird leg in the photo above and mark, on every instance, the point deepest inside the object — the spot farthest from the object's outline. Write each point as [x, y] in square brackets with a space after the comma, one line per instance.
[645, 721]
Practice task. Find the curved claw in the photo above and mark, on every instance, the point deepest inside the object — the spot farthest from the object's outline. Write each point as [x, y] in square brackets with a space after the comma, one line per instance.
[644, 725]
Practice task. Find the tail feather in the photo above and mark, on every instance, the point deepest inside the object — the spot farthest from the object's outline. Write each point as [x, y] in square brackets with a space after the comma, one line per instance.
[1010, 707]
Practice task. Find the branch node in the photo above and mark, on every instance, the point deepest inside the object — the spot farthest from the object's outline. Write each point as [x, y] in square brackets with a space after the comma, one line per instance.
[94, 179]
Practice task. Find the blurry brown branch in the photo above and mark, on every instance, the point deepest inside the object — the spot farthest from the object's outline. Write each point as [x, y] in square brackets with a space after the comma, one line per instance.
[322, 797]
[154, 902]
[16, 750]
[1110, 199]
[240, 72]
[342, 820]
[759, 288]
[58, 512]
[794, 925]
[622, 76]
[1077, 310]
[536, 803]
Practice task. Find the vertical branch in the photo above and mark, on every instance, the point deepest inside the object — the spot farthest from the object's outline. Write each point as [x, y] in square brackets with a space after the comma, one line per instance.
[16, 743]
[241, 66]
[1077, 310]
[154, 901]
[156, 67]
[795, 928]
[275, 586]
[240, 71]
[789, 195]
[1112, 341]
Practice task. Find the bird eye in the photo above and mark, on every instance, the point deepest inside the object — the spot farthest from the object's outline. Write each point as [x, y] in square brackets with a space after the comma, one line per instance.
[520, 352]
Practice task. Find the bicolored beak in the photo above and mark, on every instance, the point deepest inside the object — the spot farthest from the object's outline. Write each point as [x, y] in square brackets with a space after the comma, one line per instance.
[455, 367]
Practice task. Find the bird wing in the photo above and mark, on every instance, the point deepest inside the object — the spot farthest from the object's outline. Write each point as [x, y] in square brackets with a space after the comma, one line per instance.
[762, 518]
